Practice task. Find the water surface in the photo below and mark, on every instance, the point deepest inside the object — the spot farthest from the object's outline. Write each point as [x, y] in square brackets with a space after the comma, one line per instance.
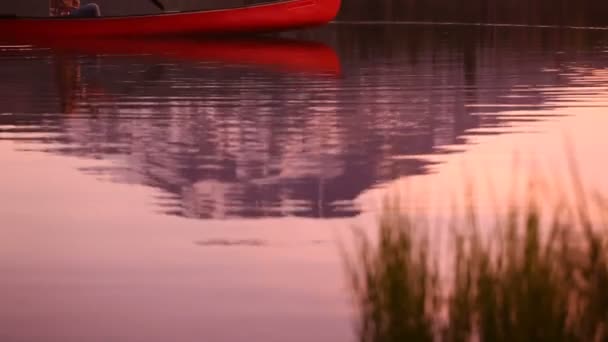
[193, 189]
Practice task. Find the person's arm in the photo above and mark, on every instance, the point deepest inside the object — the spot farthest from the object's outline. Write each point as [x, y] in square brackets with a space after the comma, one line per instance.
[71, 4]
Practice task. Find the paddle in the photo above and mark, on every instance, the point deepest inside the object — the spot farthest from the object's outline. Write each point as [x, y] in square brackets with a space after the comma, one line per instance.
[158, 4]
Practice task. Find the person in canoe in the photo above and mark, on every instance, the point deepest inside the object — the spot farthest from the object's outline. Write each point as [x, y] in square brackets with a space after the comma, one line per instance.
[72, 8]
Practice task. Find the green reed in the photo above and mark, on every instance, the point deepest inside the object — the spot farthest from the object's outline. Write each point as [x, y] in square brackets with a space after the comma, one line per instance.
[537, 274]
[394, 285]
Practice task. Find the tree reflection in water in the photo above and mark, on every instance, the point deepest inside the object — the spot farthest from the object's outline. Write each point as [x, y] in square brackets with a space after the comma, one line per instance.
[272, 127]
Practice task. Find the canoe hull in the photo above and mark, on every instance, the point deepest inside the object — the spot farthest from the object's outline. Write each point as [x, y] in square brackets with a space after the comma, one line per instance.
[277, 16]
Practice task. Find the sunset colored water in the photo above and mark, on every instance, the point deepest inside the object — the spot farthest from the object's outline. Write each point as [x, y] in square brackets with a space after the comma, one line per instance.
[198, 190]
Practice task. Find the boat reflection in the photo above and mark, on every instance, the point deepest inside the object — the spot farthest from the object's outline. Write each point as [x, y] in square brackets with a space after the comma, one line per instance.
[283, 55]
[274, 53]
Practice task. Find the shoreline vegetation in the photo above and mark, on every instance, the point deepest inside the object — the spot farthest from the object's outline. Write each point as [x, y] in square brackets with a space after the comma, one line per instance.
[538, 273]
[531, 12]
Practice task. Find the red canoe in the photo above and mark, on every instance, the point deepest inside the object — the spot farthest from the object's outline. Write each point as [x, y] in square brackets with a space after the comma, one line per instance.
[273, 16]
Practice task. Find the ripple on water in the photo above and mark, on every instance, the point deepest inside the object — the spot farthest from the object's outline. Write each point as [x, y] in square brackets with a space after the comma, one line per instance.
[228, 139]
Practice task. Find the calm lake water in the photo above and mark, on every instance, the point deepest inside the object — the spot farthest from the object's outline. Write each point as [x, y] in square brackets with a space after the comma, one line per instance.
[196, 190]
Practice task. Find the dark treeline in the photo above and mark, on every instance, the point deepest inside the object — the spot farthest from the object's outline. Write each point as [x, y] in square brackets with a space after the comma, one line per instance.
[545, 12]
